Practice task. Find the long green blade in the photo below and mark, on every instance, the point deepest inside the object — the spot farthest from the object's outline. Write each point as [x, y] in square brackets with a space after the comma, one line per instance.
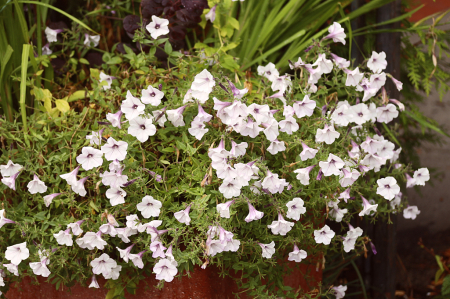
[23, 90]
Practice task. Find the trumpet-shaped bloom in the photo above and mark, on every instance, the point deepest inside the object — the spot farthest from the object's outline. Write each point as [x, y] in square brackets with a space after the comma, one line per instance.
[125, 253]
[40, 268]
[421, 176]
[280, 227]
[165, 270]
[136, 259]
[211, 15]
[253, 214]
[269, 71]
[114, 179]
[152, 96]
[160, 117]
[386, 114]
[276, 147]
[238, 150]
[377, 80]
[52, 34]
[297, 255]
[339, 291]
[11, 181]
[353, 77]
[90, 158]
[114, 274]
[95, 137]
[36, 186]
[202, 116]
[132, 107]
[303, 174]
[336, 33]
[107, 79]
[360, 113]
[141, 128]
[64, 237]
[230, 188]
[197, 129]
[295, 208]
[12, 269]
[116, 196]
[78, 187]
[75, 227]
[94, 283]
[183, 215]
[267, 249]
[324, 235]
[324, 65]
[103, 265]
[305, 107]
[203, 82]
[388, 187]
[377, 62]
[273, 184]
[158, 249]
[367, 207]
[307, 153]
[348, 177]
[115, 150]
[224, 209]
[328, 134]
[158, 27]
[175, 116]
[149, 207]
[340, 62]
[333, 165]
[336, 212]
[115, 119]
[17, 253]
[411, 212]
[10, 169]
[71, 177]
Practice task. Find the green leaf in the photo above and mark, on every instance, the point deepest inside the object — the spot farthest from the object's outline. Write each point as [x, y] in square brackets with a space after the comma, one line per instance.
[92, 204]
[168, 48]
[62, 105]
[61, 12]
[84, 61]
[446, 286]
[233, 22]
[114, 60]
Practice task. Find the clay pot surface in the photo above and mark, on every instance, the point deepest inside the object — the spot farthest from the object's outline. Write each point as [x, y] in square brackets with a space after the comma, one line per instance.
[203, 284]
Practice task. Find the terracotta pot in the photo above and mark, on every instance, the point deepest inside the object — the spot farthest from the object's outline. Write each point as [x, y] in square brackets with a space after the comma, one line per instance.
[203, 284]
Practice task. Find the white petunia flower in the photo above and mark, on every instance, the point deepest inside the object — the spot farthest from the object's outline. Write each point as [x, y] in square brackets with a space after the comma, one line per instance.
[197, 129]
[114, 274]
[328, 134]
[175, 116]
[116, 196]
[152, 96]
[203, 82]
[12, 269]
[336, 212]
[158, 249]
[132, 107]
[11, 181]
[339, 291]
[367, 207]
[276, 147]
[377, 62]
[411, 212]
[114, 150]
[333, 165]
[40, 268]
[136, 259]
[64, 237]
[267, 249]
[388, 187]
[280, 227]
[91, 40]
[297, 255]
[273, 184]
[353, 77]
[269, 71]
[305, 107]
[10, 169]
[51, 34]
[307, 153]
[90, 158]
[115, 119]
[386, 114]
[324, 235]
[183, 215]
[360, 113]
[348, 177]
[149, 207]
[158, 27]
[125, 253]
[230, 188]
[253, 214]
[421, 176]
[141, 128]
[75, 227]
[107, 79]
[336, 33]
[103, 265]
[303, 174]
[94, 283]
[340, 62]
[324, 65]
[224, 209]
[165, 270]
[295, 208]
[36, 186]
[17, 253]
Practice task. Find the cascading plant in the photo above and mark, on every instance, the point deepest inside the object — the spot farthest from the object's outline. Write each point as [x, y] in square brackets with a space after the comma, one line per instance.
[174, 168]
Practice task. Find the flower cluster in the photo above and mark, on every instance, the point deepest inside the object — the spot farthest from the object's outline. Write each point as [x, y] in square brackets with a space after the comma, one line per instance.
[186, 180]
